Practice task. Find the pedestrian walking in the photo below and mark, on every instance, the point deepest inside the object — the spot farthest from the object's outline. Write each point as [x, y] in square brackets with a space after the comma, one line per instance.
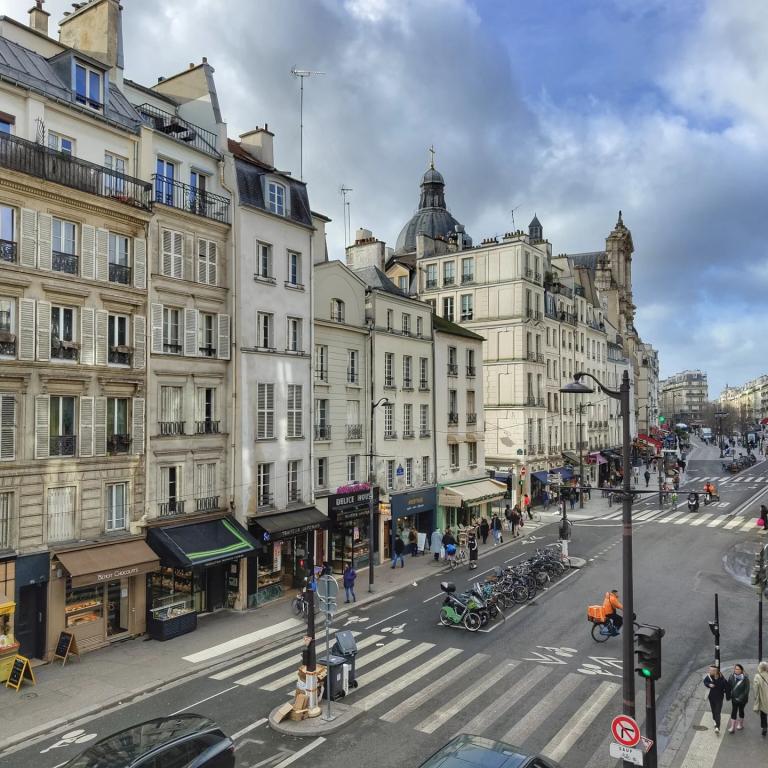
[413, 541]
[588, 490]
[545, 499]
[508, 516]
[473, 550]
[718, 690]
[647, 476]
[349, 576]
[572, 496]
[764, 517]
[485, 529]
[738, 686]
[517, 521]
[496, 529]
[435, 543]
[635, 474]
[398, 553]
[527, 506]
[761, 695]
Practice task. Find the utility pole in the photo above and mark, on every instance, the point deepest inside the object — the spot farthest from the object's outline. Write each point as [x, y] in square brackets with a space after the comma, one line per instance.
[714, 628]
[301, 74]
[758, 579]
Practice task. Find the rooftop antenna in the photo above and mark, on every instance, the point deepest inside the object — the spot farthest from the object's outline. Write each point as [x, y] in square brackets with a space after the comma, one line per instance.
[513, 217]
[301, 74]
[344, 191]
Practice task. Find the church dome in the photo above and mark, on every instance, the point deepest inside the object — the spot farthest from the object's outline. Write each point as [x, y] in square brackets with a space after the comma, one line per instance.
[433, 176]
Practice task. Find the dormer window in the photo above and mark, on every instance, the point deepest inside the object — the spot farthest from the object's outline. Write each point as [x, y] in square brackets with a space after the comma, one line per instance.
[88, 86]
[276, 198]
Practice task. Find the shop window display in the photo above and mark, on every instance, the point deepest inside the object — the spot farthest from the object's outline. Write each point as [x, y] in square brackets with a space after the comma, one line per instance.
[175, 600]
[83, 605]
[8, 644]
[350, 545]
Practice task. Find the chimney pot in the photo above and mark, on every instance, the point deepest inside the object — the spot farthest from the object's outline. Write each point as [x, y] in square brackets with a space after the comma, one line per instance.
[205, 59]
[38, 17]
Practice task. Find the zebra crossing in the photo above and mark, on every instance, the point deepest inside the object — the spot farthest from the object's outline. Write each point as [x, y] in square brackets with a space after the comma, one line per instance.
[681, 516]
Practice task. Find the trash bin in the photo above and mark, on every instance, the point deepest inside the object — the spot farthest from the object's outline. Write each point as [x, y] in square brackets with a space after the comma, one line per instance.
[346, 647]
[337, 677]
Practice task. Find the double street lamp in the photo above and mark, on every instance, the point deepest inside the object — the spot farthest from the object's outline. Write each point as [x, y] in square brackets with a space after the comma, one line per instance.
[622, 395]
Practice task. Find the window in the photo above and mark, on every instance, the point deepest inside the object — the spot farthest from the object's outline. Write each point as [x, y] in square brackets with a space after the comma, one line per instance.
[276, 198]
[431, 276]
[6, 123]
[294, 478]
[7, 328]
[448, 308]
[61, 143]
[294, 334]
[425, 469]
[419, 326]
[472, 454]
[6, 504]
[389, 369]
[453, 449]
[172, 258]
[206, 497]
[264, 485]
[449, 272]
[88, 86]
[7, 433]
[116, 507]
[295, 400]
[322, 428]
[424, 420]
[321, 362]
[119, 259]
[198, 202]
[470, 362]
[64, 257]
[171, 340]
[164, 181]
[205, 407]
[354, 427]
[466, 306]
[61, 422]
[118, 439]
[409, 471]
[407, 372]
[402, 282]
[352, 468]
[63, 344]
[264, 261]
[406, 320]
[432, 304]
[407, 420]
[389, 421]
[353, 374]
[172, 502]
[114, 182]
[321, 476]
[294, 270]
[467, 270]
[206, 334]
[61, 513]
[471, 404]
[390, 473]
[423, 373]
[265, 411]
[390, 320]
[453, 406]
[337, 310]
[171, 411]
[264, 329]
[453, 365]
[207, 262]
[117, 331]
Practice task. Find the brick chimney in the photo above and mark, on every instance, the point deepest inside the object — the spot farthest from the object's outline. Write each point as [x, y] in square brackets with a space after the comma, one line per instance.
[260, 144]
[38, 17]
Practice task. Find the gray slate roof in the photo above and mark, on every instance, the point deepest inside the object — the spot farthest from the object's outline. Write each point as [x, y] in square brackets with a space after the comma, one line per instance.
[446, 326]
[588, 259]
[373, 277]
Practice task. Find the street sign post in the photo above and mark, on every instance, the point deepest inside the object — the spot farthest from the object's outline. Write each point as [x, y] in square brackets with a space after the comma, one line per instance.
[327, 590]
[629, 754]
[625, 730]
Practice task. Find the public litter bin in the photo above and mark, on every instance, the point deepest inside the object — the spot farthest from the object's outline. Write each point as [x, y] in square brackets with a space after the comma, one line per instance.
[337, 676]
[346, 647]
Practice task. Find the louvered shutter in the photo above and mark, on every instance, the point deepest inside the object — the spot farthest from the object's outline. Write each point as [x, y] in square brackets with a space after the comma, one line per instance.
[156, 319]
[44, 330]
[190, 332]
[178, 255]
[222, 326]
[7, 426]
[100, 426]
[270, 410]
[166, 252]
[44, 240]
[28, 255]
[100, 345]
[212, 264]
[86, 335]
[261, 391]
[137, 425]
[102, 255]
[42, 432]
[86, 426]
[26, 347]
[88, 251]
[202, 261]
[139, 341]
[139, 263]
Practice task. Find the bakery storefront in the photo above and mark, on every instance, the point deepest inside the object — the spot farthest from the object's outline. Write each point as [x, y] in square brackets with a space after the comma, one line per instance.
[349, 535]
[199, 572]
[98, 592]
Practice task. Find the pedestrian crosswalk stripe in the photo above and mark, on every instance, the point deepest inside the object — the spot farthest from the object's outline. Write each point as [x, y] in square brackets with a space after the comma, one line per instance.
[703, 749]
[748, 526]
[577, 725]
[538, 714]
[733, 523]
[645, 515]
[384, 650]
[380, 695]
[701, 519]
[682, 520]
[463, 697]
[672, 516]
[412, 703]
[719, 520]
[384, 669]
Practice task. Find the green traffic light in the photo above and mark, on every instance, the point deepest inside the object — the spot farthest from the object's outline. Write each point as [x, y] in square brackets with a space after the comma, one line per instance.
[645, 672]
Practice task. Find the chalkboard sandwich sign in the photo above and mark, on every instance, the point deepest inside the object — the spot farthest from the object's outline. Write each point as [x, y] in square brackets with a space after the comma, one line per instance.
[20, 671]
[66, 647]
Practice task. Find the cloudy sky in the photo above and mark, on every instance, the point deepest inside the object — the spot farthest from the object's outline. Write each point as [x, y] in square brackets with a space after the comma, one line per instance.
[568, 108]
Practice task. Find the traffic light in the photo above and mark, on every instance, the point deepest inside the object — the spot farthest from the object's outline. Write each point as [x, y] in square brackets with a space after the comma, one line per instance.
[759, 575]
[509, 485]
[662, 419]
[648, 651]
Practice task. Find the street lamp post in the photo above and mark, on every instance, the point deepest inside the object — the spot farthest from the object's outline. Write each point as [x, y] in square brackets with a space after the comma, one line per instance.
[371, 483]
[581, 408]
[622, 395]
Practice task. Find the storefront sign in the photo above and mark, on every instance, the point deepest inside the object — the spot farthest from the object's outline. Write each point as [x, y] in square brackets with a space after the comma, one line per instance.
[343, 507]
[277, 556]
[414, 502]
[121, 573]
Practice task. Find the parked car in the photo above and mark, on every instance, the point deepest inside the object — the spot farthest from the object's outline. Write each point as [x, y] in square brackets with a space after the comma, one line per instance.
[466, 751]
[181, 741]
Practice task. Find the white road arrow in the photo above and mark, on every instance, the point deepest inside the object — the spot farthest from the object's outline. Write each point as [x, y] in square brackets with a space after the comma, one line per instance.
[608, 661]
[544, 658]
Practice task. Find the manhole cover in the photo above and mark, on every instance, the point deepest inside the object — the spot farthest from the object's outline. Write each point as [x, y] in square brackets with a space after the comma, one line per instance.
[30, 695]
[700, 728]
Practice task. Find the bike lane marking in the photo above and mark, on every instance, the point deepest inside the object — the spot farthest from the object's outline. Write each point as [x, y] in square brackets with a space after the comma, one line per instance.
[394, 615]
[296, 755]
[248, 728]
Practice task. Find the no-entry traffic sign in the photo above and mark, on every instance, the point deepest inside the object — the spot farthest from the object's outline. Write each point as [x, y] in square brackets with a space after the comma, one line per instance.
[625, 730]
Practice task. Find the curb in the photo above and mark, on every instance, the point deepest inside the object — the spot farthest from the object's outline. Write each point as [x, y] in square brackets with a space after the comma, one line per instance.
[316, 726]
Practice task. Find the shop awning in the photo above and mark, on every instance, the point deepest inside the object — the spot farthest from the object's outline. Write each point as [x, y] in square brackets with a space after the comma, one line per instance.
[108, 562]
[596, 458]
[212, 541]
[288, 524]
[471, 493]
[565, 472]
[541, 475]
[572, 457]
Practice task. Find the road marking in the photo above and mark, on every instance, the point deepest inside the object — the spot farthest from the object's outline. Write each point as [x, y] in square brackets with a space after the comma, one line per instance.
[646, 515]
[672, 516]
[704, 746]
[248, 729]
[439, 594]
[682, 520]
[718, 520]
[733, 523]
[236, 670]
[577, 725]
[303, 751]
[376, 623]
[202, 701]
[463, 697]
[516, 557]
[385, 650]
[243, 640]
[384, 669]
[701, 519]
[411, 704]
[375, 698]
[750, 501]
[750, 526]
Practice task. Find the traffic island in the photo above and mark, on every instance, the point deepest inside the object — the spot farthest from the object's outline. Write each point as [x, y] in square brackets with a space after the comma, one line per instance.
[343, 715]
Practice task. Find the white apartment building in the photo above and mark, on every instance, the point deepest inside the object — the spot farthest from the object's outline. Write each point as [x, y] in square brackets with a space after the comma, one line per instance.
[648, 390]
[684, 397]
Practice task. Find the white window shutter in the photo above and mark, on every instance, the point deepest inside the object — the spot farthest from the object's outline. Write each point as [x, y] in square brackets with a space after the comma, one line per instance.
[28, 255]
[44, 240]
[102, 255]
[202, 261]
[102, 320]
[86, 335]
[178, 255]
[44, 330]
[100, 426]
[26, 348]
[7, 426]
[139, 263]
[86, 426]
[139, 341]
[156, 319]
[212, 264]
[88, 251]
[137, 425]
[222, 347]
[166, 253]
[42, 433]
[190, 332]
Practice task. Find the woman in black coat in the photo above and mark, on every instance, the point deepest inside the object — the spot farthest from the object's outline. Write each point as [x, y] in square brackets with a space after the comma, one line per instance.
[473, 550]
[718, 690]
[485, 529]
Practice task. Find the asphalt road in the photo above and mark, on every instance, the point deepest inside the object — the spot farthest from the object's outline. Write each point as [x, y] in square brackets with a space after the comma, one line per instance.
[536, 678]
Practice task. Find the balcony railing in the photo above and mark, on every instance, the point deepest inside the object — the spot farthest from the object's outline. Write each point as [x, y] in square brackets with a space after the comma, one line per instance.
[266, 500]
[528, 273]
[171, 348]
[353, 377]
[294, 495]
[118, 356]
[169, 428]
[65, 262]
[185, 197]
[63, 445]
[453, 419]
[179, 129]
[61, 526]
[448, 280]
[207, 352]
[533, 314]
[64, 350]
[431, 284]
[537, 277]
[425, 432]
[337, 317]
[389, 381]
[8, 251]
[207, 427]
[120, 273]
[354, 431]
[118, 444]
[467, 279]
[8, 346]
[453, 369]
[407, 383]
[390, 434]
[541, 448]
[322, 431]
[171, 507]
[34, 159]
[562, 290]
[407, 434]
[207, 504]
[470, 370]
[424, 384]
[471, 418]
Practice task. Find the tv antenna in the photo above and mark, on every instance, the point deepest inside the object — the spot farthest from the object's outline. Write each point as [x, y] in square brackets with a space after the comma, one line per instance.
[347, 223]
[513, 216]
[301, 74]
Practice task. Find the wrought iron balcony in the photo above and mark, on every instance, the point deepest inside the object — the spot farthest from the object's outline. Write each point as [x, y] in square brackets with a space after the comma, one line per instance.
[541, 449]
[322, 431]
[453, 419]
[207, 427]
[408, 434]
[354, 431]
[64, 350]
[17, 154]
[353, 377]
[390, 434]
[119, 356]
[471, 418]
[453, 369]
[63, 445]
[533, 314]
[171, 348]
[528, 273]
[389, 381]
[448, 280]
[537, 277]
[467, 279]
[407, 383]
[118, 444]
[65, 262]
[425, 432]
[171, 428]
[207, 352]
[7, 344]
[120, 273]
[185, 197]
[470, 371]
[207, 504]
[8, 251]
[431, 285]
[171, 507]
[180, 129]
[294, 495]
[337, 317]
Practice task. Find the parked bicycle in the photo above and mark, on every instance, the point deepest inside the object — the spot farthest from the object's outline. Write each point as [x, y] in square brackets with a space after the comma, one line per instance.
[300, 604]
